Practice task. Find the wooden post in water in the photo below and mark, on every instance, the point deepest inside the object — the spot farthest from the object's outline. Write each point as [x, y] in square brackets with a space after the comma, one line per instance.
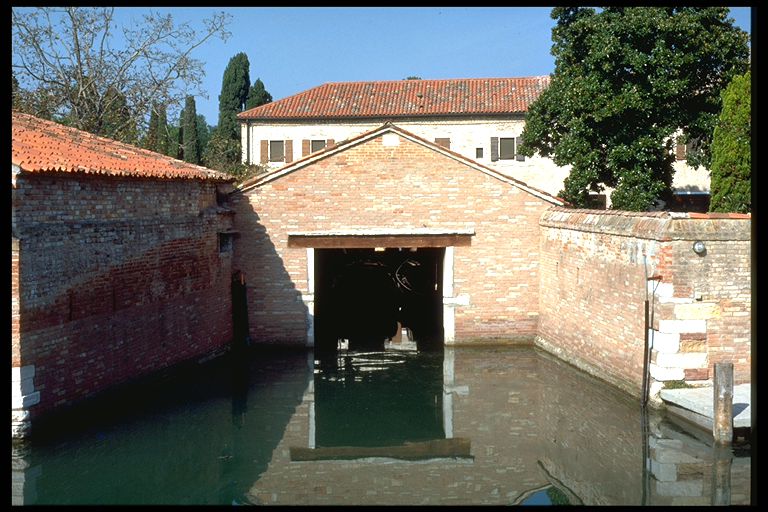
[722, 456]
[722, 423]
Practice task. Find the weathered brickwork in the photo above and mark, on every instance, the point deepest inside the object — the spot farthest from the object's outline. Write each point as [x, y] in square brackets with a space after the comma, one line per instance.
[117, 278]
[409, 185]
[598, 268]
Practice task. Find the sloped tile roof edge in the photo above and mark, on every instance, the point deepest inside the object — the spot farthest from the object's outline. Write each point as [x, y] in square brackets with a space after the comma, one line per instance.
[43, 146]
[389, 127]
[405, 99]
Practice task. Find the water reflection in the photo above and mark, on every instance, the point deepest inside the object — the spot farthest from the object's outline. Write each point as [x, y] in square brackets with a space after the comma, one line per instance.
[459, 426]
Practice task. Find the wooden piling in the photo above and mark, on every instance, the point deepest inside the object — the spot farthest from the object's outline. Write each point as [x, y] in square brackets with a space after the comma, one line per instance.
[722, 456]
[722, 423]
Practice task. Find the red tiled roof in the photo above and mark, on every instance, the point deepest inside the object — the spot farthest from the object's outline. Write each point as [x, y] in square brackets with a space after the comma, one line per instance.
[44, 146]
[406, 98]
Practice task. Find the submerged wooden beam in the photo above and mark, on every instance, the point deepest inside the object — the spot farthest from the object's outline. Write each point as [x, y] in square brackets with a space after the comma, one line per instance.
[438, 448]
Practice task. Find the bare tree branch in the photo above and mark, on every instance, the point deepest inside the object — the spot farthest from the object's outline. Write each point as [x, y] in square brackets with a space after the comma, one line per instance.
[69, 60]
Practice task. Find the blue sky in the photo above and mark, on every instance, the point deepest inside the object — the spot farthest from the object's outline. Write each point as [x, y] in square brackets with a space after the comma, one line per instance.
[292, 49]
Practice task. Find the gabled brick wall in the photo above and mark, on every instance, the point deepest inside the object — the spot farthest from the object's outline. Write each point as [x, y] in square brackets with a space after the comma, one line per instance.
[408, 185]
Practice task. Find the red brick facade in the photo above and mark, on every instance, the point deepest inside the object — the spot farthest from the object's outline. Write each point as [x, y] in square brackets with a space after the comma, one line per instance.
[115, 278]
[594, 270]
[414, 184]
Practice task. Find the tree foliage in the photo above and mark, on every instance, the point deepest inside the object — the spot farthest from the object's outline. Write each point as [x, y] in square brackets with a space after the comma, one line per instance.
[625, 80]
[190, 132]
[257, 95]
[77, 71]
[234, 94]
[730, 185]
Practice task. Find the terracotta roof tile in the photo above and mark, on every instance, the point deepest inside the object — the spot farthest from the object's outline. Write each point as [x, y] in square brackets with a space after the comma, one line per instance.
[406, 98]
[44, 146]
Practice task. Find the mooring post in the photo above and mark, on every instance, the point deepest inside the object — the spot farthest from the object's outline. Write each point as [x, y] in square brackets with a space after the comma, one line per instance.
[722, 456]
[722, 423]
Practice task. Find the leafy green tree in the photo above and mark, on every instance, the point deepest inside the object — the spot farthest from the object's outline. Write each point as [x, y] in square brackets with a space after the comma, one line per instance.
[257, 95]
[66, 58]
[234, 94]
[731, 173]
[189, 126]
[625, 80]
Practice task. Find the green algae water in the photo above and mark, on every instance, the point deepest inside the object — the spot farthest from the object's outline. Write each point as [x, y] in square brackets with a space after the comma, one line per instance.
[456, 426]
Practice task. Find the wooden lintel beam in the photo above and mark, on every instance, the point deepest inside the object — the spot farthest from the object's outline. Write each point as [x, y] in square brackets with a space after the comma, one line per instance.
[371, 241]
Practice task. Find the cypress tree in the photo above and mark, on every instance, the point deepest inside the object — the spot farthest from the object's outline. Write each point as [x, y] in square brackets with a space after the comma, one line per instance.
[257, 95]
[189, 125]
[234, 94]
[163, 136]
[150, 141]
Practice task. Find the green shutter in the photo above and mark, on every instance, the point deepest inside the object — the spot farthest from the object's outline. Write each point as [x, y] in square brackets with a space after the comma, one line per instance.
[494, 149]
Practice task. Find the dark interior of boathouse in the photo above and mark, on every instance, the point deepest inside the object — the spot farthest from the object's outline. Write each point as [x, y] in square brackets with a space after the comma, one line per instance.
[370, 296]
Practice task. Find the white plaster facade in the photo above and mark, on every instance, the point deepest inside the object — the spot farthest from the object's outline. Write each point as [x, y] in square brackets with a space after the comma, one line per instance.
[467, 136]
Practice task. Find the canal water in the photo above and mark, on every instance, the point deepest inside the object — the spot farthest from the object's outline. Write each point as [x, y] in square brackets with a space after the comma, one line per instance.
[456, 426]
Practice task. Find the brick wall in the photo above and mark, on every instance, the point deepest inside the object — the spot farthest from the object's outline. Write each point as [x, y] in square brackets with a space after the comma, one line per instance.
[118, 278]
[594, 267]
[404, 186]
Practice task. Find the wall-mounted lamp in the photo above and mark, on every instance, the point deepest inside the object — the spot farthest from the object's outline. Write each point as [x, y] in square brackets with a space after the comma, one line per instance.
[699, 247]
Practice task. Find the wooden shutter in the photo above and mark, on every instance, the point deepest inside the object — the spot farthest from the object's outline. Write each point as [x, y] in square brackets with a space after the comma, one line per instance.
[329, 143]
[494, 149]
[680, 151]
[444, 142]
[304, 147]
[518, 142]
[264, 151]
[288, 151]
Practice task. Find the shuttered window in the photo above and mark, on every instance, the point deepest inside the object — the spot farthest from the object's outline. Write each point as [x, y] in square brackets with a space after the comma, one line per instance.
[317, 145]
[478, 153]
[276, 151]
[506, 149]
[446, 143]
[518, 143]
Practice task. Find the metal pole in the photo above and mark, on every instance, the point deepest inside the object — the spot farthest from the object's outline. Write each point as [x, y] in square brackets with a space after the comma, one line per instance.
[644, 398]
[722, 424]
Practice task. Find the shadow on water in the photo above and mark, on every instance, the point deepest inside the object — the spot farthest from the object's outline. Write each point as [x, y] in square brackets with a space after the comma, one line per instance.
[459, 426]
[197, 435]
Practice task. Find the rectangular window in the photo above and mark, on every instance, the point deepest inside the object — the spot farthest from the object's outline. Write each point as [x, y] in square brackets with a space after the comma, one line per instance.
[225, 242]
[276, 151]
[506, 148]
[478, 153]
[316, 145]
[444, 142]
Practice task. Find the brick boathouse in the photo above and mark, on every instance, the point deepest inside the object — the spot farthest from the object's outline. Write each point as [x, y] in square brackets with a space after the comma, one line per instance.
[120, 264]
[465, 235]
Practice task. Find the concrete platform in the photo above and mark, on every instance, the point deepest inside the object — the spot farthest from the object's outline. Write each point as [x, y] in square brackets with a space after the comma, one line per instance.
[695, 404]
